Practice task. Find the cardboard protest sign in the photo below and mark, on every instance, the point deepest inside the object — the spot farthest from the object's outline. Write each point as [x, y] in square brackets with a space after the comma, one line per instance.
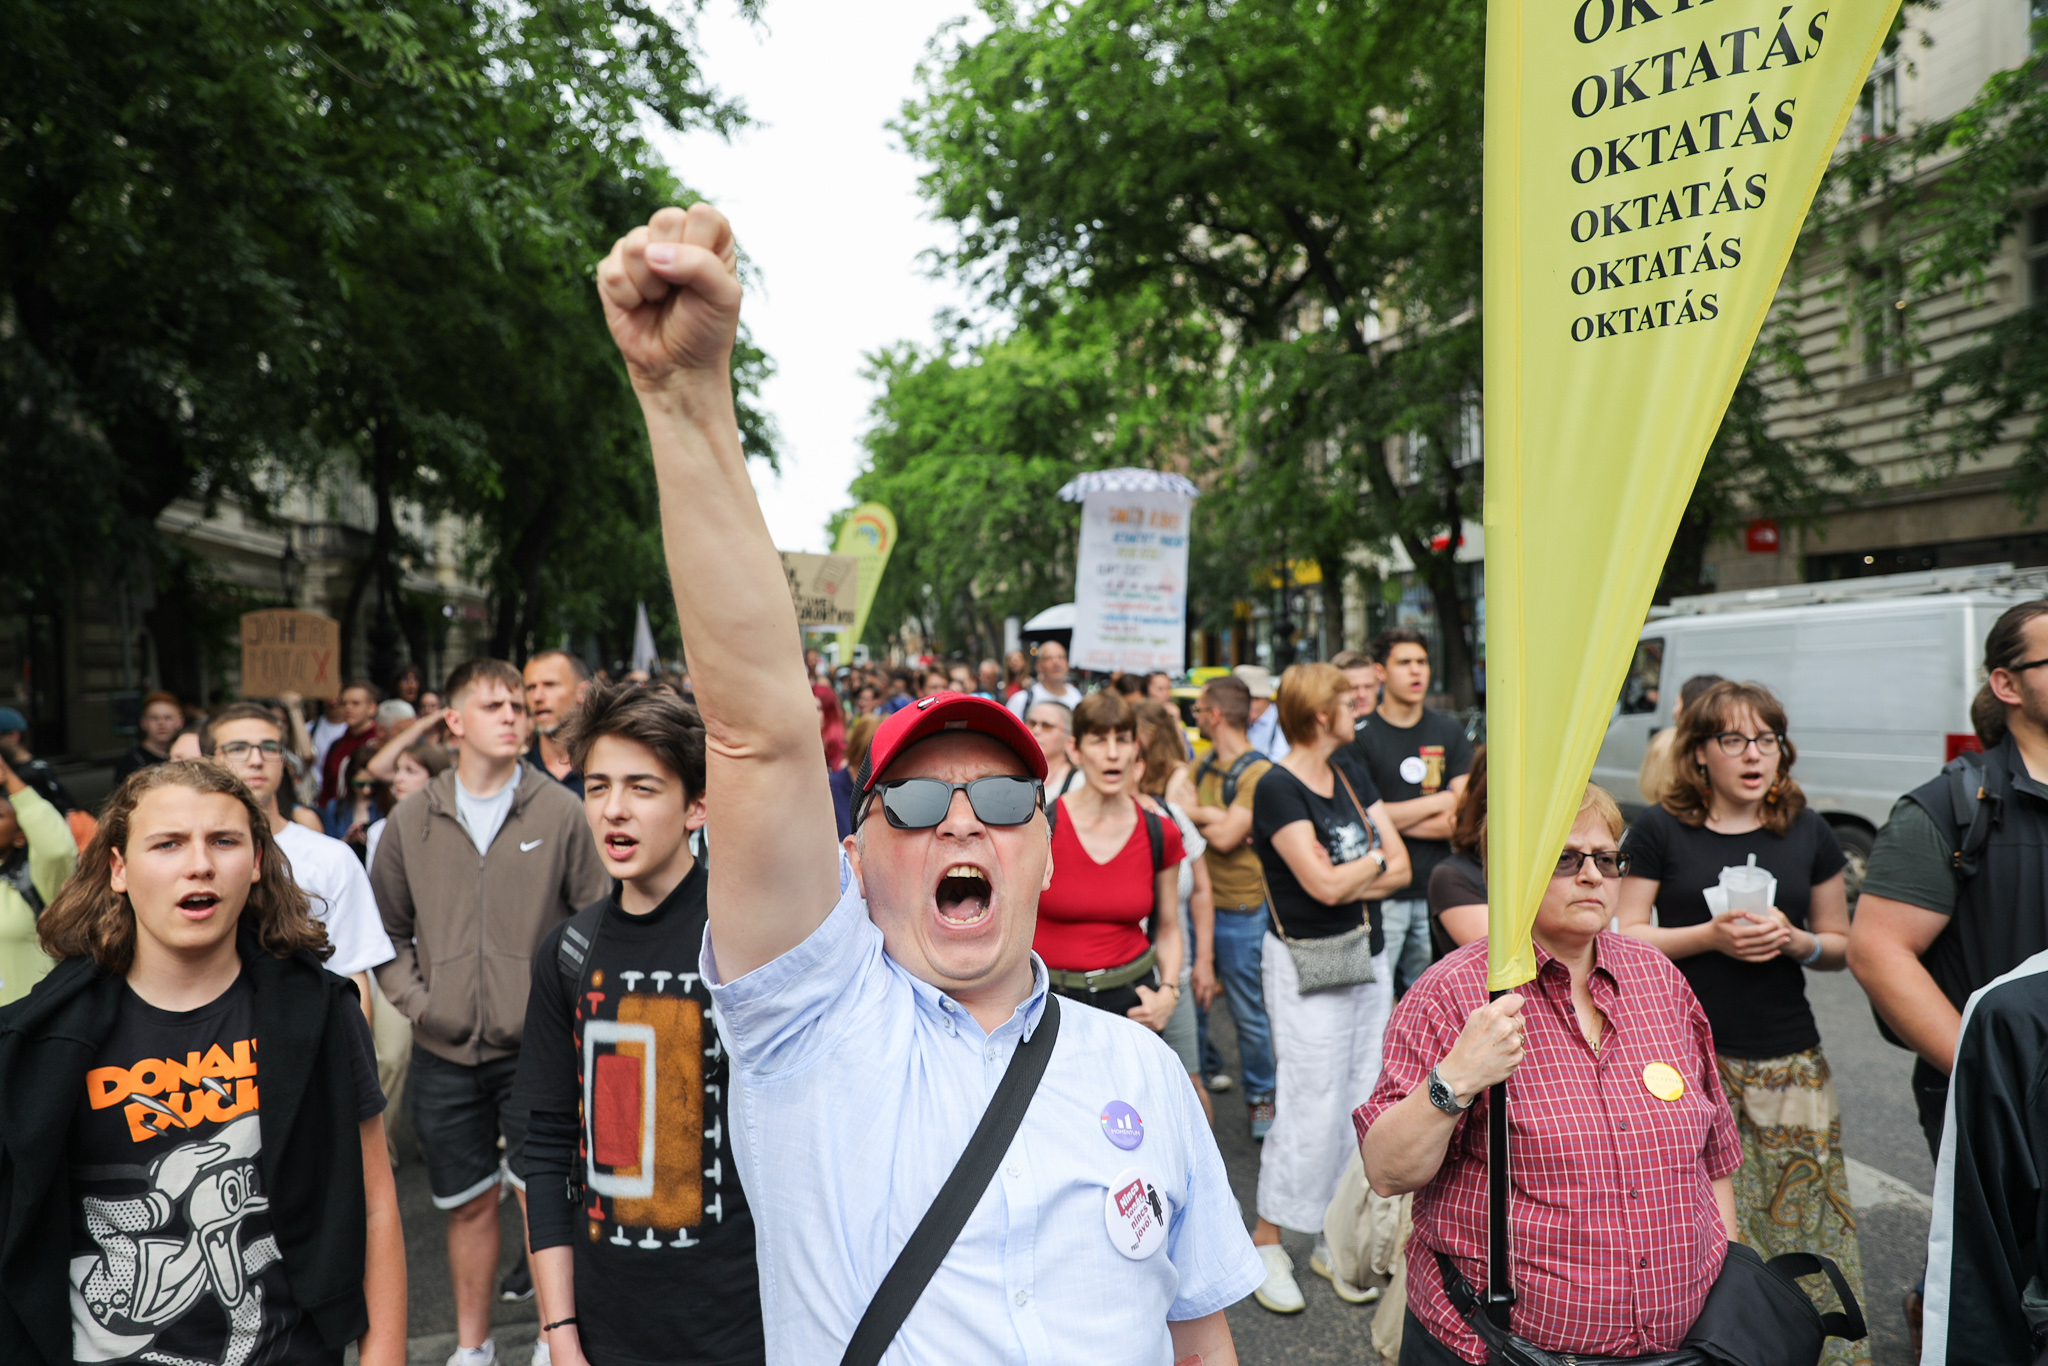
[289, 651]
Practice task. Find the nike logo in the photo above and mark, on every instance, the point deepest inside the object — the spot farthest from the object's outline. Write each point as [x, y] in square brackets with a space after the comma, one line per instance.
[528, 846]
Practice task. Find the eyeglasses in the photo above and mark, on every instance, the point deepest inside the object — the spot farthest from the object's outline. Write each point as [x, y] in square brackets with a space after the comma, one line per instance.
[921, 803]
[1610, 862]
[2022, 668]
[1734, 742]
[235, 751]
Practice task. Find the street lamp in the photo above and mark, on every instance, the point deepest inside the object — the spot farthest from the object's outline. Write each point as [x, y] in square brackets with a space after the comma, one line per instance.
[291, 571]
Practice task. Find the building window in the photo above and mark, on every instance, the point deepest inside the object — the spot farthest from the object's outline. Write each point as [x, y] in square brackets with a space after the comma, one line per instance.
[1877, 112]
[1884, 328]
[2037, 249]
[2039, 13]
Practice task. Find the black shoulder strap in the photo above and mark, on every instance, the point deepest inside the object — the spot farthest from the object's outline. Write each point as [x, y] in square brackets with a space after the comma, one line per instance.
[1155, 835]
[956, 1200]
[1230, 779]
[16, 873]
[572, 952]
[1971, 789]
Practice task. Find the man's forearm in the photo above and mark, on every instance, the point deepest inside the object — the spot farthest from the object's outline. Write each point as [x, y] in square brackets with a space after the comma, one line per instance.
[1428, 817]
[1206, 1339]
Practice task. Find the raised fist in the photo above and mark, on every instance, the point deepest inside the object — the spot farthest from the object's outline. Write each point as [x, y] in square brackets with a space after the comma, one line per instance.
[671, 293]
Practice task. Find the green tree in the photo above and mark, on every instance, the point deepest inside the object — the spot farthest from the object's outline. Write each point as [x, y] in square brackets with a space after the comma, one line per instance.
[970, 445]
[242, 240]
[1903, 219]
[1305, 175]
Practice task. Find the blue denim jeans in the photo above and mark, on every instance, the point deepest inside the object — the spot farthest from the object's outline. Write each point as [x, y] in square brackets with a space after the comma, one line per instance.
[1406, 926]
[1240, 937]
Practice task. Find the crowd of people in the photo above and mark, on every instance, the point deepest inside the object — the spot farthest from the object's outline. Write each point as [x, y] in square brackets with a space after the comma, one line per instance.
[817, 1013]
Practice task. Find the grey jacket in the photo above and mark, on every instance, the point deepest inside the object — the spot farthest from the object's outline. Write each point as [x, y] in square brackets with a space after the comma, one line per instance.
[465, 928]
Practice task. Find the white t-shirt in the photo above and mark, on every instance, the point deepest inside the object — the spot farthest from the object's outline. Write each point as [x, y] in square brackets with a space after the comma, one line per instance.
[340, 892]
[484, 816]
[371, 837]
[1024, 701]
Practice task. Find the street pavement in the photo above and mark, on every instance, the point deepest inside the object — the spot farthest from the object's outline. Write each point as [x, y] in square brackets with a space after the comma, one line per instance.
[1891, 1176]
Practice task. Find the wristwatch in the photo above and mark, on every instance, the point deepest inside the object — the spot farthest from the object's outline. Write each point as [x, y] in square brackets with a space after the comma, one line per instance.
[1443, 1097]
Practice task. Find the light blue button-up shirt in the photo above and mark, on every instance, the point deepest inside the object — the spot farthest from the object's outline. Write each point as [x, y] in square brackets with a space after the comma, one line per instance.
[855, 1089]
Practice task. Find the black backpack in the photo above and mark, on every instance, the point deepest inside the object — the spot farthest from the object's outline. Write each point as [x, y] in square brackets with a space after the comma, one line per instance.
[1236, 771]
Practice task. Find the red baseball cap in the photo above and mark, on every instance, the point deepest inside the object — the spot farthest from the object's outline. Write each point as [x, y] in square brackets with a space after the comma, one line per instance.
[942, 712]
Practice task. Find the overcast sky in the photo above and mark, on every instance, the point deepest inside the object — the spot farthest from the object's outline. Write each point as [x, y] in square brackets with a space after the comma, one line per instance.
[824, 201]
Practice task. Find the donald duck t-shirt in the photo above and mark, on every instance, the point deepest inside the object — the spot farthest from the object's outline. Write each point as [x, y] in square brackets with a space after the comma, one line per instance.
[173, 1260]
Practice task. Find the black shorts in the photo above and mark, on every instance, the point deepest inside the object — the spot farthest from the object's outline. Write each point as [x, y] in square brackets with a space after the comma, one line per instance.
[459, 1113]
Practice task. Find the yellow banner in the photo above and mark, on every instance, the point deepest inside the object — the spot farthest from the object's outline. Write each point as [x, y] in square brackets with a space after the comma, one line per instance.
[1648, 166]
[868, 534]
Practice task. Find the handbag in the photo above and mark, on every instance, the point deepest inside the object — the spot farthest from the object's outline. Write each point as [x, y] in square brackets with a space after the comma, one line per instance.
[1756, 1314]
[933, 1238]
[1341, 960]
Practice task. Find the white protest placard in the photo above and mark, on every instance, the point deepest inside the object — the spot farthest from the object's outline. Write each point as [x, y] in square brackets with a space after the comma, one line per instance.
[1131, 583]
[825, 588]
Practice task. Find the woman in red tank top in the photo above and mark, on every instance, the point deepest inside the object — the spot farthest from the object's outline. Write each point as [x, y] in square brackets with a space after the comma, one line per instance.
[1115, 877]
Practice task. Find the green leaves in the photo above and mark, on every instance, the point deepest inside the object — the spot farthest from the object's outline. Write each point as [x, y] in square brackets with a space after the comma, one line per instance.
[243, 242]
[1294, 187]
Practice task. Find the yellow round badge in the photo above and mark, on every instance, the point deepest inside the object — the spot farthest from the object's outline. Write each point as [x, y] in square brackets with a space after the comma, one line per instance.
[1663, 1081]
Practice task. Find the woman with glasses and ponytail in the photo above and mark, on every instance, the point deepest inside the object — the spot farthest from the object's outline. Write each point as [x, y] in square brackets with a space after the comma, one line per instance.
[1115, 875]
[1731, 802]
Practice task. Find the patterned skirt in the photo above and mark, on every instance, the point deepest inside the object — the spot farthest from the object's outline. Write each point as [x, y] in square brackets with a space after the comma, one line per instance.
[1792, 1189]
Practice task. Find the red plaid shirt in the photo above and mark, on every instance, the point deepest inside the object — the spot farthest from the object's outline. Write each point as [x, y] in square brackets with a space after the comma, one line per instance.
[1616, 1235]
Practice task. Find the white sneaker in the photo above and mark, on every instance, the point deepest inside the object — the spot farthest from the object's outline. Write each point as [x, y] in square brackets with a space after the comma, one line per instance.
[1319, 1262]
[1278, 1292]
[485, 1355]
[543, 1355]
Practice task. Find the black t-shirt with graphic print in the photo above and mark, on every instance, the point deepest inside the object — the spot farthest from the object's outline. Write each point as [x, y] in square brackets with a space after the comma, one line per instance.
[629, 1160]
[1283, 799]
[173, 1259]
[1407, 762]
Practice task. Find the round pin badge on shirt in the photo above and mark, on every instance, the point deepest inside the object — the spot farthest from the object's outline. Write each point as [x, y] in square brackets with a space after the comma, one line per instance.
[1413, 769]
[1135, 1214]
[1661, 1079]
[1122, 1125]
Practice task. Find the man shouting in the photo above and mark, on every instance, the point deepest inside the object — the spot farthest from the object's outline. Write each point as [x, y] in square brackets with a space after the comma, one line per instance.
[872, 996]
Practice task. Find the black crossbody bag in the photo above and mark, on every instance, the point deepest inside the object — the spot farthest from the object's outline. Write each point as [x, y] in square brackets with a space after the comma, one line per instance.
[1756, 1315]
[941, 1225]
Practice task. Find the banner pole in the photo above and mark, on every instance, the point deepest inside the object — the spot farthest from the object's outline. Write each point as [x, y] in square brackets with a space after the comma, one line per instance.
[1499, 1303]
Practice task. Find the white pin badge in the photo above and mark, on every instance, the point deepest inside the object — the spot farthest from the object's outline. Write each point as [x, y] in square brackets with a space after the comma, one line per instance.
[1135, 1213]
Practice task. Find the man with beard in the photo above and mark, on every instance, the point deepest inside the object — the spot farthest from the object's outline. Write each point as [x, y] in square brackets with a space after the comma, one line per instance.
[556, 682]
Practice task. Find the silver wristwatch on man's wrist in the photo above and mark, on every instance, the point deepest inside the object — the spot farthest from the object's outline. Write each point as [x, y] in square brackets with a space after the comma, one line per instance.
[1443, 1097]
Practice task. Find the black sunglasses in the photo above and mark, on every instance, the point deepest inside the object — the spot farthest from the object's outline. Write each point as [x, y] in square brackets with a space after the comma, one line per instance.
[921, 803]
[1610, 862]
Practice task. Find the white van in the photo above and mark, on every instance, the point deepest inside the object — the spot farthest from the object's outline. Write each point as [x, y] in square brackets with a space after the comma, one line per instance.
[1876, 676]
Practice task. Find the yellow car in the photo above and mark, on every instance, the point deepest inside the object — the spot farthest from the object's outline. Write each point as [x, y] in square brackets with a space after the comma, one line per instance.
[1184, 697]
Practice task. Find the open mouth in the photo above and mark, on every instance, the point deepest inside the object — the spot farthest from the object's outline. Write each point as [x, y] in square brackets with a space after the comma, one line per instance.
[199, 904]
[962, 896]
[619, 847]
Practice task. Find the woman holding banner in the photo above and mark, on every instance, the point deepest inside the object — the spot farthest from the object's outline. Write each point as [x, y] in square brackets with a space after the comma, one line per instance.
[1730, 804]
[1622, 1205]
[1326, 848]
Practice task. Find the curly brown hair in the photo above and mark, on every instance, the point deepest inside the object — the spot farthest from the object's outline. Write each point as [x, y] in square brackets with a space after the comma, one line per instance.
[89, 919]
[1688, 795]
